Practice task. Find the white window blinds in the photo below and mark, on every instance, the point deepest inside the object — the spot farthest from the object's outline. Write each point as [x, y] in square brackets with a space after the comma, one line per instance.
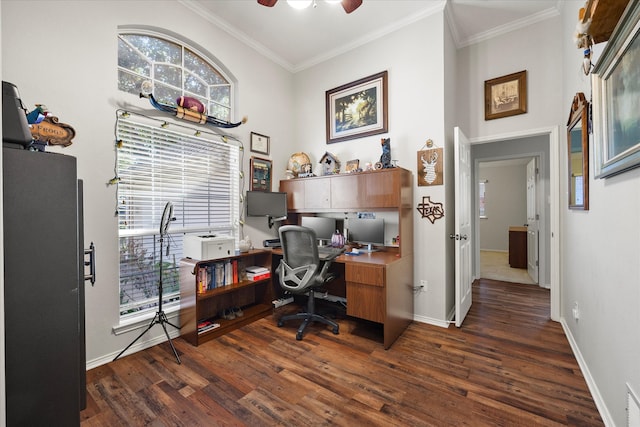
[156, 164]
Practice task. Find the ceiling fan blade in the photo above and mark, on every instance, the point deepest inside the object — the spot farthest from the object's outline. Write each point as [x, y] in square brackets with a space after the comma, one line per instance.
[351, 5]
[268, 3]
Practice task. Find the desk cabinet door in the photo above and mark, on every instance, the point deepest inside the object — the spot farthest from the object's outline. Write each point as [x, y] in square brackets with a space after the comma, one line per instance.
[381, 190]
[295, 193]
[365, 292]
[317, 194]
[348, 191]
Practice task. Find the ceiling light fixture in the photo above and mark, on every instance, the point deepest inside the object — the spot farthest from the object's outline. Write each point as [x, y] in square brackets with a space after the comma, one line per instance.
[348, 5]
[299, 4]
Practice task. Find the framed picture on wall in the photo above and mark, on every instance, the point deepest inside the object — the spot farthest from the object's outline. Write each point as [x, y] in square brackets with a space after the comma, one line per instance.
[260, 174]
[616, 105]
[505, 96]
[357, 109]
[260, 143]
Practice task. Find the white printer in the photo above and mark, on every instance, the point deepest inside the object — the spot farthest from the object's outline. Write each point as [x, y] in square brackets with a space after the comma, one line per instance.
[208, 247]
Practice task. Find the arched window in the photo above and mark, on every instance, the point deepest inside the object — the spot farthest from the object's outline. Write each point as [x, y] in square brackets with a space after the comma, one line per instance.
[175, 70]
[157, 162]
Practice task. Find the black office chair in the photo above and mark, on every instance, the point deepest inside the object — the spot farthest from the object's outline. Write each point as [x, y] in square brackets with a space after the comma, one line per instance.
[301, 272]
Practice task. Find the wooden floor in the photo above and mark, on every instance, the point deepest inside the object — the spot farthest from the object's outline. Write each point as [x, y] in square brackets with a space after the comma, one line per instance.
[509, 365]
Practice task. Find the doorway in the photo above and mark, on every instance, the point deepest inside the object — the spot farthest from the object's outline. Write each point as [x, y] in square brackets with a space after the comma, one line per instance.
[544, 144]
[504, 204]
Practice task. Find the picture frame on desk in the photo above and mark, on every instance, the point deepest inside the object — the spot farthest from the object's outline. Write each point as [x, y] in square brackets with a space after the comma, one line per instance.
[357, 109]
[260, 174]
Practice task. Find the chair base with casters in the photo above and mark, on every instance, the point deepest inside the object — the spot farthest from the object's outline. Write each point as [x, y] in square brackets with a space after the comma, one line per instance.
[301, 272]
[308, 317]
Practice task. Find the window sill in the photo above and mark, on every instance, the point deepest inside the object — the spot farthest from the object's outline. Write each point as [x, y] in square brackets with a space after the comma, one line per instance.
[142, 320]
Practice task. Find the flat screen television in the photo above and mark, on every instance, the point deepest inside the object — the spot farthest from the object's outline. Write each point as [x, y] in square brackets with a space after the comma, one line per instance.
[267, 203]
[324, 227]
[366, 231]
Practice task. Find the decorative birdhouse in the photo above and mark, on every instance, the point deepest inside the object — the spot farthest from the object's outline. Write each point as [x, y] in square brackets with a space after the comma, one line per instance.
[330, 164]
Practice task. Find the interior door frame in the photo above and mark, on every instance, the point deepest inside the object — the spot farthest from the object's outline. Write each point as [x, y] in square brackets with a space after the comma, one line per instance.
[554, 205]
[540, 196]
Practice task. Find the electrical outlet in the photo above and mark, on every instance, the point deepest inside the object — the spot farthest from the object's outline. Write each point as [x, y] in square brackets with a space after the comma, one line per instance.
[576, 311]
[424, 285]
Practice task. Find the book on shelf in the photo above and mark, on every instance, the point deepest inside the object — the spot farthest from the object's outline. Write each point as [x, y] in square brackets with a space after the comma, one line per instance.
[258, 276]
[203, 283]
[234, 263]
[256, 269]
[207, 325]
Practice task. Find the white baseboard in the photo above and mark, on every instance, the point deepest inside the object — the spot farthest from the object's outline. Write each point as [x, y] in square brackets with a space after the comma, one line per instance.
[138, 346]
[431, 321]
[593, 388]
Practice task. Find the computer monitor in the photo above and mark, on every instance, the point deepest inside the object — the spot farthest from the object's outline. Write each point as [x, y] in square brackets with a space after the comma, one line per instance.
[266, 203]
[366, 231]
[324, 227]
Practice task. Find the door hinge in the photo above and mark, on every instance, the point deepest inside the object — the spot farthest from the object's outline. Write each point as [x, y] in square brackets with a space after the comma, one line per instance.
[537, 217]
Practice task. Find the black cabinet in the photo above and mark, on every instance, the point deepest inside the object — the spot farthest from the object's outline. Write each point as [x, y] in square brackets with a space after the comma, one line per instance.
[43, 289]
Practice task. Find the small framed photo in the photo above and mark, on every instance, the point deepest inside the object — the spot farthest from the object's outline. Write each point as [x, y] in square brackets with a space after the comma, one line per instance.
[260, 174]
[505, 96]
[260, 143]
[352, 166]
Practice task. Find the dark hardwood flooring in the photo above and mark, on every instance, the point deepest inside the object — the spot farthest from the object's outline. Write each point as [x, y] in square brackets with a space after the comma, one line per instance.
[509, 365]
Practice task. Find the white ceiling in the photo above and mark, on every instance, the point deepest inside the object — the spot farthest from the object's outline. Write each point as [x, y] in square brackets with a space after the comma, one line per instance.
[298, 39]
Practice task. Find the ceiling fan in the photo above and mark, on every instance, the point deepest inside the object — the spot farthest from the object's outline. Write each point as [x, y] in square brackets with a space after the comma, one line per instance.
[348, 5]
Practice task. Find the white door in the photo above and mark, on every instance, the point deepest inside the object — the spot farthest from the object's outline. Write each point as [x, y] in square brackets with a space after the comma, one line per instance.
[532, 219]
[462, 236]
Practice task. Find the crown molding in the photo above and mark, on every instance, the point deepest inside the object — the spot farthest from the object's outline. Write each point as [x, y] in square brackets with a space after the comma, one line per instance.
[195, 7]
[437, 7]
[511, 26]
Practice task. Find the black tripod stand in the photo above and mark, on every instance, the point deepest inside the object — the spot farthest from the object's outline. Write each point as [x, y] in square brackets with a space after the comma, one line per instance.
[160, 317]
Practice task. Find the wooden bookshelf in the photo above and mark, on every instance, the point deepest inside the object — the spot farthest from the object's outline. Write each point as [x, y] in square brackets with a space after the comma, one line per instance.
[252, 297]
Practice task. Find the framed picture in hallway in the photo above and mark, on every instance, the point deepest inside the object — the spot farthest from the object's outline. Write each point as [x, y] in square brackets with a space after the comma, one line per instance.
[357, 109]
[505, 96]
[616, 101]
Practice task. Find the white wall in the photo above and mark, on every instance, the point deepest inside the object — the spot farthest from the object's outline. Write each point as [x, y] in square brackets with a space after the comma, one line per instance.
[64, 54]
[601, 260]
[534, 48]
[505, 203]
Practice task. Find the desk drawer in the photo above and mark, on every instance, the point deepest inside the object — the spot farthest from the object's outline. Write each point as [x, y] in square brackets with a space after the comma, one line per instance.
[366, 274]
[366, 302]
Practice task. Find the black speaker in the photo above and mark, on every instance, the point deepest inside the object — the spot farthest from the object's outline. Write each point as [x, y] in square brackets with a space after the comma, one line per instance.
[15, 128]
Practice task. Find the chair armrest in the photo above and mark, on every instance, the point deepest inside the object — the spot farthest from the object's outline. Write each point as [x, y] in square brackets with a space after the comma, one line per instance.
[290, 281]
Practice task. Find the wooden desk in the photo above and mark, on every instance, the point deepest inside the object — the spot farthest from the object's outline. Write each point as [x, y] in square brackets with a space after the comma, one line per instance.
[378, 288]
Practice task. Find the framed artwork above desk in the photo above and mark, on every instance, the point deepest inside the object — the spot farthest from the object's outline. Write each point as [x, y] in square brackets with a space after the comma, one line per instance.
[260, 174]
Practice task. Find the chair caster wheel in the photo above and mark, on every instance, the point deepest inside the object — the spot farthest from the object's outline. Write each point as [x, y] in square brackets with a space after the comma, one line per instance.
[280, 323]
[335, 331]
[299, 336]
